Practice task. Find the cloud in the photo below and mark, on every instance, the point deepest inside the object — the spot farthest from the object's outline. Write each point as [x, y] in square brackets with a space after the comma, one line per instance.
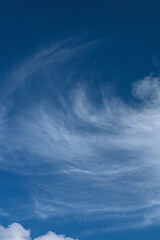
[53, 236]
[60, 52]
[15, 231]
[100, 161]
[112, 150]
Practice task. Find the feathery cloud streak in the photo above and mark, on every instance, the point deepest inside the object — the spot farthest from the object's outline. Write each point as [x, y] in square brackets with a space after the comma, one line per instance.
[83, 159]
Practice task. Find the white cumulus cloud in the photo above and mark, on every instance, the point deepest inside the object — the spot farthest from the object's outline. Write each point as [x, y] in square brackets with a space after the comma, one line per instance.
[16, 231]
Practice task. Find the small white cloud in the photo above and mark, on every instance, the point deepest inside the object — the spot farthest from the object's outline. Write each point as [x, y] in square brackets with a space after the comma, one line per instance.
[16, 231]
[53, 236]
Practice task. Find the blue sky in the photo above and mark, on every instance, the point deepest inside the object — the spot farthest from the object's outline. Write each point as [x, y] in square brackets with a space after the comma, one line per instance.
[79, 120]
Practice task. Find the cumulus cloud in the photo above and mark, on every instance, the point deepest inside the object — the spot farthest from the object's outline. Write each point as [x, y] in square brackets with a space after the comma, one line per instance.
[16, 231]
[53, 236]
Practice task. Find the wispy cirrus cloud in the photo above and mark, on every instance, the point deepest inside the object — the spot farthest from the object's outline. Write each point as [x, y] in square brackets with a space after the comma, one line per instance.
[97, 162]
[112, 151]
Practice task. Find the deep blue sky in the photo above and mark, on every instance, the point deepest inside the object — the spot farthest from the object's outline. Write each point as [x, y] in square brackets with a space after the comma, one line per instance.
[63, 123]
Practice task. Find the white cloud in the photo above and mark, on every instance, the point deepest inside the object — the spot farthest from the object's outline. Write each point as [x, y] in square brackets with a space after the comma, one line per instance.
[53, 236]
[16, 231]
[99, 162]
[112, 150]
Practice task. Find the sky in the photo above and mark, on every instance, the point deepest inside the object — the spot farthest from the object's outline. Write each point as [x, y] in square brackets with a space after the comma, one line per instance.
[79, 120]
